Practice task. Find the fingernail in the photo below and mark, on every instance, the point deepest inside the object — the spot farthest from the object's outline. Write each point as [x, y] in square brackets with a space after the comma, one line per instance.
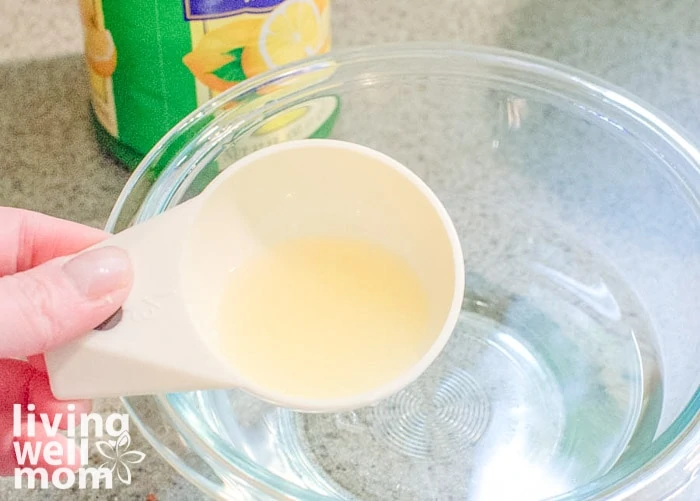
[99, 272]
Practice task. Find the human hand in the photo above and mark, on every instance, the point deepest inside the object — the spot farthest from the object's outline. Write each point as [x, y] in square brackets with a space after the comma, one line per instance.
[44, 303]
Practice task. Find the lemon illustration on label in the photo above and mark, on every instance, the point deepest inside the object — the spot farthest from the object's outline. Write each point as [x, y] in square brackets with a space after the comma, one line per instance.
[293, 31]
[249, 45]
[101, 59]
[100, 52]
[215, 61]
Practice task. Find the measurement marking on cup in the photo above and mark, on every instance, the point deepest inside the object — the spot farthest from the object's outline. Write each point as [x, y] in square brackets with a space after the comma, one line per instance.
[146, 309]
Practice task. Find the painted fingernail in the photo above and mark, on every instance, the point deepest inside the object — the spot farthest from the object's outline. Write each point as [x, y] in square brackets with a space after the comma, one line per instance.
[112, 321]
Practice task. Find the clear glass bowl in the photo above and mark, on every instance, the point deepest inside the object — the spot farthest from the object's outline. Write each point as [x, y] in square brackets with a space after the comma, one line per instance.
[574, 370]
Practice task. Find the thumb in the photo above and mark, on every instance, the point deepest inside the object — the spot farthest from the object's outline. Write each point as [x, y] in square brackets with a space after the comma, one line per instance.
[59, 300]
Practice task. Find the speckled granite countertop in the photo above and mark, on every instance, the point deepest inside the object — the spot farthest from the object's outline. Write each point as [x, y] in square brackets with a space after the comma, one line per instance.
[50, 161]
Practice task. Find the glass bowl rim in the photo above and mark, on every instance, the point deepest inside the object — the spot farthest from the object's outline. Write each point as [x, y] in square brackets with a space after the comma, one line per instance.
[680, 443]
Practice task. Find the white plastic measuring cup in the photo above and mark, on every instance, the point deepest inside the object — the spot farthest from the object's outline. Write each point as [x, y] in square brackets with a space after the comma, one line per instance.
[166, 338]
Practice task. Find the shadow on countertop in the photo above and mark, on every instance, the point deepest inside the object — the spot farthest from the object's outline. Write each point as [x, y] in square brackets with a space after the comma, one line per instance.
[49, 158]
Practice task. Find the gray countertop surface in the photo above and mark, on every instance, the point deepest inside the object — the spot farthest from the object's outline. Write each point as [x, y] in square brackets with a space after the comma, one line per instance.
[50, 162]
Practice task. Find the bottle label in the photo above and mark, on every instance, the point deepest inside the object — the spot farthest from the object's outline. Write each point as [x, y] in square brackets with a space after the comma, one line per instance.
[150, 64]
[101, 60]
[206, 9]
[228, 50]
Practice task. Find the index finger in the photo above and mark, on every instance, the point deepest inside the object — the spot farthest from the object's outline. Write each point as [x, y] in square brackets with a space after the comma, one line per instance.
[28, 239]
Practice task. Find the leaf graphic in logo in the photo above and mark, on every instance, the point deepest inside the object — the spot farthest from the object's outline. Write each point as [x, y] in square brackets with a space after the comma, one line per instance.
[107, 449]
[119, 456]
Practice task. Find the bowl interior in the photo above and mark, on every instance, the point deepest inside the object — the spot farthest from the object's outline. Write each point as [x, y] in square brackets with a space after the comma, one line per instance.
[576, 345]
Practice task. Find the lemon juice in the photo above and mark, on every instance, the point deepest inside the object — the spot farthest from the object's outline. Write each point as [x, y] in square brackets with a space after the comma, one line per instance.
[535, 386]
[324, 318]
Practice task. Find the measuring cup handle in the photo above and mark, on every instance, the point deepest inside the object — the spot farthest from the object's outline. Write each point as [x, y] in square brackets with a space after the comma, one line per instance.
[150, 345]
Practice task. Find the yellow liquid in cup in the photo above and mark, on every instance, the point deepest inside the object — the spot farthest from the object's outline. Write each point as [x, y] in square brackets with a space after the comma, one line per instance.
[324, 318]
